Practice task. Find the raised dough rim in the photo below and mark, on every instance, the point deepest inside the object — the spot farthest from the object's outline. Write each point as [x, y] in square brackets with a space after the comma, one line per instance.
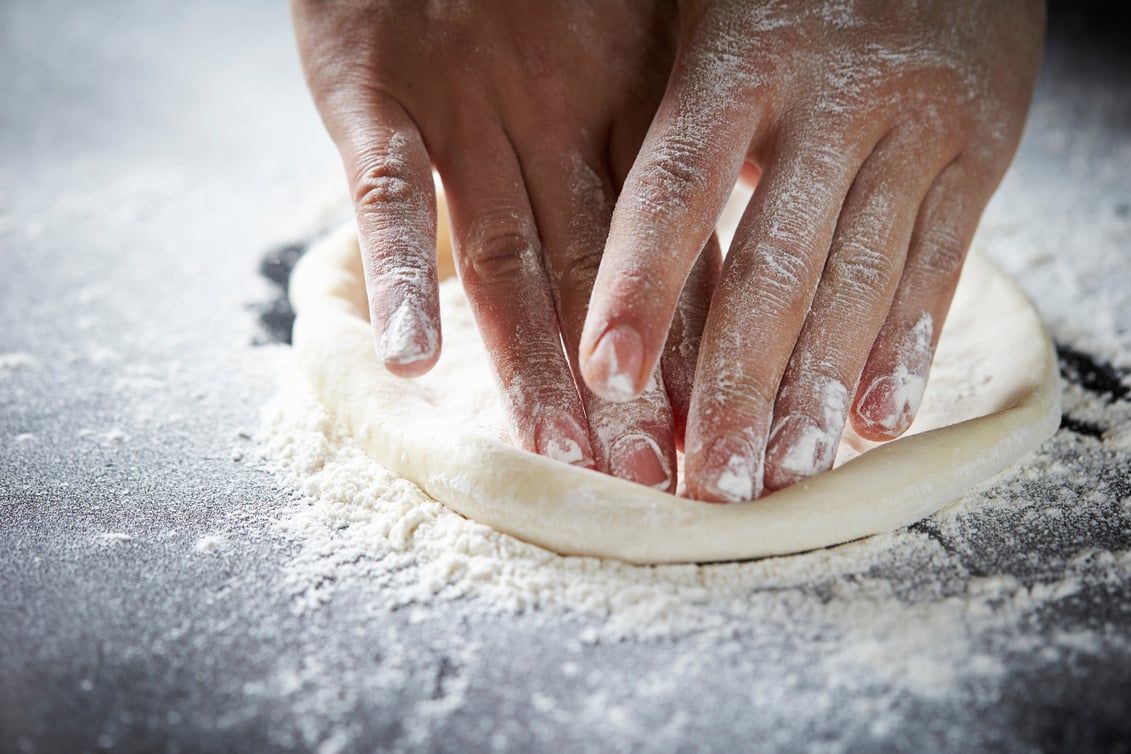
[580, 512]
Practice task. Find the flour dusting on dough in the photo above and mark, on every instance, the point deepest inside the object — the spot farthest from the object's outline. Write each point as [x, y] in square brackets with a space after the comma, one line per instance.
[359, 527]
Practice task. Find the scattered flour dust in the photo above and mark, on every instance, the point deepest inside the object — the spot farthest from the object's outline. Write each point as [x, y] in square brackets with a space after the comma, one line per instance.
[901, 608]
[211, 543]
[10, 362]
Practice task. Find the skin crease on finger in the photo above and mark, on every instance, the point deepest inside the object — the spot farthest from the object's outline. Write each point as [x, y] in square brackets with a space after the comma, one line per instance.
[827, 76]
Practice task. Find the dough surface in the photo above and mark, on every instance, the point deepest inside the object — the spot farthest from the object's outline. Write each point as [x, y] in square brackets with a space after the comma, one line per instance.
[993, 397]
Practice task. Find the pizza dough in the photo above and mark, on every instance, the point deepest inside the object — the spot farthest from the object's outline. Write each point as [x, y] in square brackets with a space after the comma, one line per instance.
[993, 397]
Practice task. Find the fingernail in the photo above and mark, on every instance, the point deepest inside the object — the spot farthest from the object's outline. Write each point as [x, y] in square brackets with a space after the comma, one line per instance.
[639, 459]
[799, 448]
[561, 439]
[890, 403]
[617, 361]
[733, 472]
[408, 337]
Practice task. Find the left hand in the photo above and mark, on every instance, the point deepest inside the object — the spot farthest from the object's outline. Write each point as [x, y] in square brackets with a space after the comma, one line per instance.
[879, 133]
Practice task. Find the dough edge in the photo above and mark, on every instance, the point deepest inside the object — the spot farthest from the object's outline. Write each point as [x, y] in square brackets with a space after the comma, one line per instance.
[574, 511]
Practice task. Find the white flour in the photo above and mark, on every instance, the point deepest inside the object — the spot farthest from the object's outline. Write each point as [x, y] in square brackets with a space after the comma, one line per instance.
[900, 608]
[1024, 579]
[10, 362]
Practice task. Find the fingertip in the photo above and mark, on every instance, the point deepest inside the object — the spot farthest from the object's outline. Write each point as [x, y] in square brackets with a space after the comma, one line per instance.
[410, 369]
[799, 448]
[638, 458]
[888, 405]
[726, 470]
[614, 368]
[409, 343]
[562, 439]
[894, 381]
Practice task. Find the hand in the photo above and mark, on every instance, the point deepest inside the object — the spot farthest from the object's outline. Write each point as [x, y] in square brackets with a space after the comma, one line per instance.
[532, 114]
[879, 131]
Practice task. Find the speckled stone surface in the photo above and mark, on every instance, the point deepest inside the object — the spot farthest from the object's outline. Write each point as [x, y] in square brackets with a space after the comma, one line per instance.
[151, 155]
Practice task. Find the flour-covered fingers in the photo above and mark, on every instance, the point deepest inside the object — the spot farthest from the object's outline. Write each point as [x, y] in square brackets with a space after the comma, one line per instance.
[759, 307]
[850, 305]
[572, 201]
[634, 439]
[666, 211]
[390, 174]
[895, 376]
[681, 352]
[499, 258]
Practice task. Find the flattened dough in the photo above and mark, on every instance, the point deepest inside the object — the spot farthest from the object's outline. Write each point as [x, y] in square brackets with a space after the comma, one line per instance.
[993, 397]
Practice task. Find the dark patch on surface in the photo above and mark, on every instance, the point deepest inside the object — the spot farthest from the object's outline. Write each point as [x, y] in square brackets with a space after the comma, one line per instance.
[1063, 712]
[1081, 427]
[1091, 373]
[1096, 376]
[278, 263]
[276, 317]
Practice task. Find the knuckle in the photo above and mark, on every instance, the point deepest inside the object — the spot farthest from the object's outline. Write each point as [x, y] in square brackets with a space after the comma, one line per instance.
[736, 403]
[863, 271]
[385, 178]
[380, 187]
[728, 385]
[672, 177]
[580, 271]
[782, 270]
[752, 397]
[941, 252]
[498, 250]
[400, 276]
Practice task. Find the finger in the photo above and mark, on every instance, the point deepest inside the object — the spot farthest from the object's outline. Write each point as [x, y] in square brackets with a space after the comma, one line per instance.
[573, 203]
[895, 376]
[750, 173]
[635, 438]
[852, 299]
[499, 257]
[681, 352]
[394, 199]
[764, 294]
[667, 210]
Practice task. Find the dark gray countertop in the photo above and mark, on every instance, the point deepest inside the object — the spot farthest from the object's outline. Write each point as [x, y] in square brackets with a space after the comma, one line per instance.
[152, 153]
